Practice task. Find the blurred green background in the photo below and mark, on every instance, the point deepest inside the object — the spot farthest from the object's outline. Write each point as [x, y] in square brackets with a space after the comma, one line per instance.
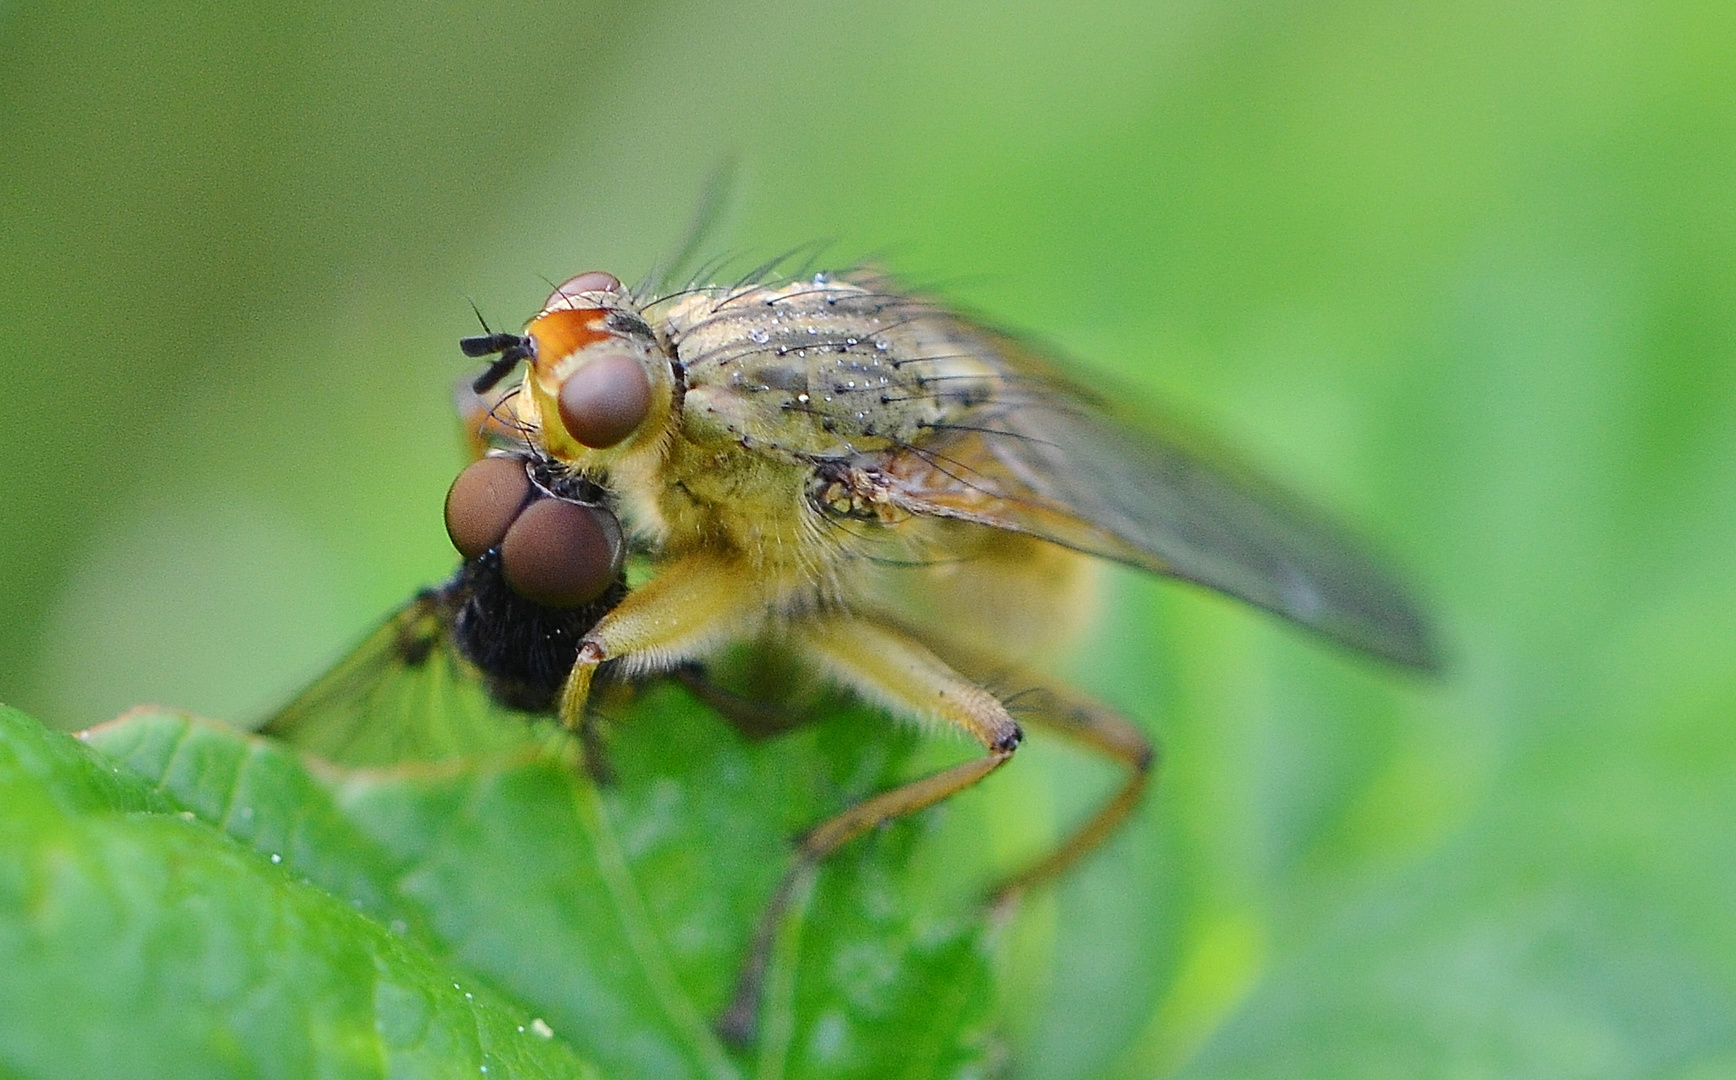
[1465, 273]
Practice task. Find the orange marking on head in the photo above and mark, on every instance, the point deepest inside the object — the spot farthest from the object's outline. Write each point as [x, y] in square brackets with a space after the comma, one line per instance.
[561, 333]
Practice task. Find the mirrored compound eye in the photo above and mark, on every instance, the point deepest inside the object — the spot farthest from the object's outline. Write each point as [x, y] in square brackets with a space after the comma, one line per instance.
[483, 501]
[606, 400]
[589, 281]
[561, 554]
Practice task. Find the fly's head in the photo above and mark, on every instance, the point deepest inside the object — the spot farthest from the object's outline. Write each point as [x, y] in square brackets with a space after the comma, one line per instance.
[598, 390]
[545, 534]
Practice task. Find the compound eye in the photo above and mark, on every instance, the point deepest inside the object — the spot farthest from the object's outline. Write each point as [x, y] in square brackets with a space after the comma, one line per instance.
[606, 400]
[561, 554]
[589, 281]
[483, 501]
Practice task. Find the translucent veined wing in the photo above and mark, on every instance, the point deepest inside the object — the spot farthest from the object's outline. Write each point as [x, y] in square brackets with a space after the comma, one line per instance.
[1045, 457]
[403, 694]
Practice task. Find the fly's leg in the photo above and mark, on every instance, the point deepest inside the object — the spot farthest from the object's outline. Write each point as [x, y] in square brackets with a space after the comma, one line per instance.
[902, 676]
[696, 601]
[609, 698]
[486, 420]
[754, 718]
[1099, 728]
[740, 1021]
[1086, 722]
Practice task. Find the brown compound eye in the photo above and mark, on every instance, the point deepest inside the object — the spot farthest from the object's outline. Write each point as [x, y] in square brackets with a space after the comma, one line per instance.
[483, 501]
[589, 281]
[605, 401]
[561, 554]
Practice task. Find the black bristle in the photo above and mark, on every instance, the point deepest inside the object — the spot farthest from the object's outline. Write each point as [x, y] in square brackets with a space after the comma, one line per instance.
[524, 650]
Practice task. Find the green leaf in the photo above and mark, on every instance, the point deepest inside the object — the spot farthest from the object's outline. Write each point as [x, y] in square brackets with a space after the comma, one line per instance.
[140, 935]
[519, 891]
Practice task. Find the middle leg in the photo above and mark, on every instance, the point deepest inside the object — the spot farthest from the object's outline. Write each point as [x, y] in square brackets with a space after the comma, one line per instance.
[894, 671]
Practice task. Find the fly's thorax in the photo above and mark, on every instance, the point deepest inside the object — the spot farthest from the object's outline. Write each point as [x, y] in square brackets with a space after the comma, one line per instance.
[820, 369]
[727, 497]
[780, 384]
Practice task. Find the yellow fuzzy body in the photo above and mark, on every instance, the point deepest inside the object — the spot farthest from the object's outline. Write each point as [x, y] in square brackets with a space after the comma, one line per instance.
[759, 392]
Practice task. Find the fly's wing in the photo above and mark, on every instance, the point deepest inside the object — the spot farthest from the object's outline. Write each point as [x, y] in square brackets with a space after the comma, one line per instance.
[1046, 458]
[402, 694]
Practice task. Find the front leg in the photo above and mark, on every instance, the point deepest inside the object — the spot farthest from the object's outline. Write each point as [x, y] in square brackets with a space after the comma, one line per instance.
[694, 603]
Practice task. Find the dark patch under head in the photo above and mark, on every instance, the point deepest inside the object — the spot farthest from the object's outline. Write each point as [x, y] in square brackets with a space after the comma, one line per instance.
[556, 479]
[523, 650]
